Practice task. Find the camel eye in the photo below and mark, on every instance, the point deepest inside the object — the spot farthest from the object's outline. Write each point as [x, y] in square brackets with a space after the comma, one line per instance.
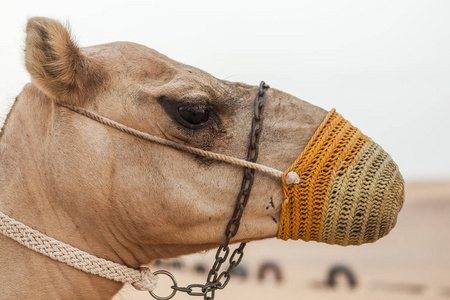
[193, 116]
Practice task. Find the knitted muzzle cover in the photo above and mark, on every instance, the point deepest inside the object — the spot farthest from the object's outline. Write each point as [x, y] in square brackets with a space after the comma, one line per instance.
[350, 190]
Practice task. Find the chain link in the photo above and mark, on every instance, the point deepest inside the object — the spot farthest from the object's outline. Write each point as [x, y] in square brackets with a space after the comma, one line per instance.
[214, 280]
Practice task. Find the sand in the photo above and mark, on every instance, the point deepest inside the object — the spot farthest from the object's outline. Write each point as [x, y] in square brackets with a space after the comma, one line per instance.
[412, 262]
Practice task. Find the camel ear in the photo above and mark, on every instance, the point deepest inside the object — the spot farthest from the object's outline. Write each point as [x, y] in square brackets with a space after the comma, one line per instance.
[56, 64]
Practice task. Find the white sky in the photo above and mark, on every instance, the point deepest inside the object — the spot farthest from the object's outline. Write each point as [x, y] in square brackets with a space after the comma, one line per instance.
[384, 65]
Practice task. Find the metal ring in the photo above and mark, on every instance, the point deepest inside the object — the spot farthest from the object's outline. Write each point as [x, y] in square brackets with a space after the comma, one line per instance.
[167, 273]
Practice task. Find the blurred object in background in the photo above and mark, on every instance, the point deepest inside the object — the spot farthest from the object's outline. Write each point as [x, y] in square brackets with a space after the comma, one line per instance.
[270, 271]
[343, 272]
[240, 271]
[200, 268]
[399, 287]
[338, 277]
[177, 263]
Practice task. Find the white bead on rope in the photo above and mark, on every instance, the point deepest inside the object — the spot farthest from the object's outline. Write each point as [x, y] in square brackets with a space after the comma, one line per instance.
[292, 178]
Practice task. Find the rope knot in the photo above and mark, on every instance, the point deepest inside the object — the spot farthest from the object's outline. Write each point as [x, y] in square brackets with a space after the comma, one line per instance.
[292, 178]
[148, 280]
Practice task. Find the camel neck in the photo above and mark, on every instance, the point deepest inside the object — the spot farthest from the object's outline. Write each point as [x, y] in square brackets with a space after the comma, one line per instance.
[28, 195]
[35, 276]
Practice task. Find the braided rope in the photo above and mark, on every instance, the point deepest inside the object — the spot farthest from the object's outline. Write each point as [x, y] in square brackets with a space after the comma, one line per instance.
[142, 279]
[222, 157]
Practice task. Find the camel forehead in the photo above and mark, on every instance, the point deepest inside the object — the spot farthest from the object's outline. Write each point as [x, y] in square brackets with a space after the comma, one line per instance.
[119, 55]
[117, 51]
[139, 61]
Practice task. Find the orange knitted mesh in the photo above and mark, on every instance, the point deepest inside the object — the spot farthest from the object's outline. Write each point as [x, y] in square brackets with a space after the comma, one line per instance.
[332, 153]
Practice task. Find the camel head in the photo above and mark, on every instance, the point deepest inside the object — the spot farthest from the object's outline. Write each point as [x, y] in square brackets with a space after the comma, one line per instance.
[127, 198]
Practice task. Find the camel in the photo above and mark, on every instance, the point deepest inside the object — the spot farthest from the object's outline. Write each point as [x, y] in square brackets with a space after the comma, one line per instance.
[117, 196]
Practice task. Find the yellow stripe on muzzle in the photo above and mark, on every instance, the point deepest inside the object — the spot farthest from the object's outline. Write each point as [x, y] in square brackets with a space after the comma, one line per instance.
[350, 190]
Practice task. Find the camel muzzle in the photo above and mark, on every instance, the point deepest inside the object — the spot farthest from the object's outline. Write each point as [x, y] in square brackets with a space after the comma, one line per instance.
[343, 188]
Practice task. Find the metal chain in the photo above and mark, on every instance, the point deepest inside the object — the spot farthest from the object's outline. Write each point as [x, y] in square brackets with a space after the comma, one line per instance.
[216, 281]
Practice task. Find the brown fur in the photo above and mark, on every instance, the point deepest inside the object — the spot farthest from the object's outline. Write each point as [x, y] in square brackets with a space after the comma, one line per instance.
[114, 195]
[57, 65]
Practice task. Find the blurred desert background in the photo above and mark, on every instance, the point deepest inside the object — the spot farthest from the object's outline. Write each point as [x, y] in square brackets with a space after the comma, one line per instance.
[412, 262]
